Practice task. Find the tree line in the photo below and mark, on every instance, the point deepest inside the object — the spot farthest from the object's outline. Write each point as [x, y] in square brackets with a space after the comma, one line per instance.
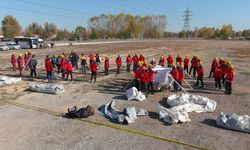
[121, 26]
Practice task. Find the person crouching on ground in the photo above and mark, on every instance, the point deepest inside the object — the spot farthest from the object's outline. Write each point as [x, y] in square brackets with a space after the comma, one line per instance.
[217, 77]
[93, 68]
[69, 68]
[229, 79]
[181, 75]
[106, 66]
[118, 64]
[13, 61]
[175, 74]
[151, 73]
[143, 76]
[200, 75]
[49, 68]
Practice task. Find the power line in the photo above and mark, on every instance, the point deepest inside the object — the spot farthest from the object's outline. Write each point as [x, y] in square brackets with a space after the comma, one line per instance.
[41, 13]
[54, 7]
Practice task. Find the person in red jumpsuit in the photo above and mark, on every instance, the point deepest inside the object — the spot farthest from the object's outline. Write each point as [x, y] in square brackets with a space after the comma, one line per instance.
[186, 63]
[217, 77]
[106, 65]
[181, 75]
[175, 74]
[230, 75]
[135, 59]
[141, 58]
[118, 62]
[170, 61]
[13, 61]
[93, 68]
[178, 59]
[151, 73]
[194, 63]
[20, 64]
[162, 61]
[214, 65]
[129, 62]
[143, 76]
[63, 64]
[49, 68]
[200, 75]
[69, 68]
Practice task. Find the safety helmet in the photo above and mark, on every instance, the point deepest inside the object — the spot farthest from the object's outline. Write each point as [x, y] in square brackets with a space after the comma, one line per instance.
[20, 55]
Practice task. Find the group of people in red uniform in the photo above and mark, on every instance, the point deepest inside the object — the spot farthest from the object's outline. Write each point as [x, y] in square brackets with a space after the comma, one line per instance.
[221, 70]
[223, 73]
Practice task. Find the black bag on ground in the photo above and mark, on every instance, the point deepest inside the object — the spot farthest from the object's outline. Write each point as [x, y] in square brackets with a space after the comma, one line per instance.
[80, 113]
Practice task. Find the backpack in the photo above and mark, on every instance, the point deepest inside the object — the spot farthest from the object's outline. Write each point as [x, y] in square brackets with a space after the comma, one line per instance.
[80, 113]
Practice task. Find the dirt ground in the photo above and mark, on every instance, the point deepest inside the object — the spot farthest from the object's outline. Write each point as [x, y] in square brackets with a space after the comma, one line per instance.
[22, 128]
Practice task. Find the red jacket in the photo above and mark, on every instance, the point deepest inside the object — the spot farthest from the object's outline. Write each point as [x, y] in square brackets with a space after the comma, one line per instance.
[135, 59]
[48, 65]
[106, 63]
[175, 74]
[218, 73]
[186, 62]
[151, 75]
[162, 62]
[141, 58]
[194, 62]
[69, 67]
[170, 60]
[136, 72]
[230, 76]
[20, 62]
[143, 76]
[63, 63]
[221, 62]
[200, 72]
[13, 59]
[93, 67]
[224, 69]
[129, 60]
[118, 61]
[179, 60]
[181, 75]
[214, 64]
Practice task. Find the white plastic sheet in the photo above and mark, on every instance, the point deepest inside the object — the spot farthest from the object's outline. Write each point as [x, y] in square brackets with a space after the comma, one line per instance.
[161, 78]
[128, 115]
[47, 88]
[234, 122]
[4, 80]
[182, 104]
[134, 94]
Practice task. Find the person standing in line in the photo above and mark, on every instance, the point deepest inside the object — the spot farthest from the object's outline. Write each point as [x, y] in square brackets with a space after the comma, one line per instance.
[106, 66]
[186, 64]
[118, 64]
[20, 64]
[170, 61]
[49, 68]
[84, 63]
[93, 68]
[229, 79]
[135, 61]
[69, 68]
[162, 61]
[143, 76]
[13, 62]
[179, 60]
[175, 74]
[63, 65]
[214, 65]
[200, 75]
[33, 64]
[129, 62]
[217, 77]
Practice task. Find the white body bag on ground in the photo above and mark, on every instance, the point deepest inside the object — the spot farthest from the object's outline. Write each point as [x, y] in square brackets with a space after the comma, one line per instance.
[134, 94]
[4, 80]
[234, 122]
[182, 104]
[47, 88]
[128, 115]
[162, 78]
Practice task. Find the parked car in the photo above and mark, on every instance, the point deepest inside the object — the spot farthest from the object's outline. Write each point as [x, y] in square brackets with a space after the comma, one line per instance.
[13, 46]
[4, 48]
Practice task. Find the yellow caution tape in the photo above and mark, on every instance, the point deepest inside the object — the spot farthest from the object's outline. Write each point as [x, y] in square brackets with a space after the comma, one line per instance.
[11, 102]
